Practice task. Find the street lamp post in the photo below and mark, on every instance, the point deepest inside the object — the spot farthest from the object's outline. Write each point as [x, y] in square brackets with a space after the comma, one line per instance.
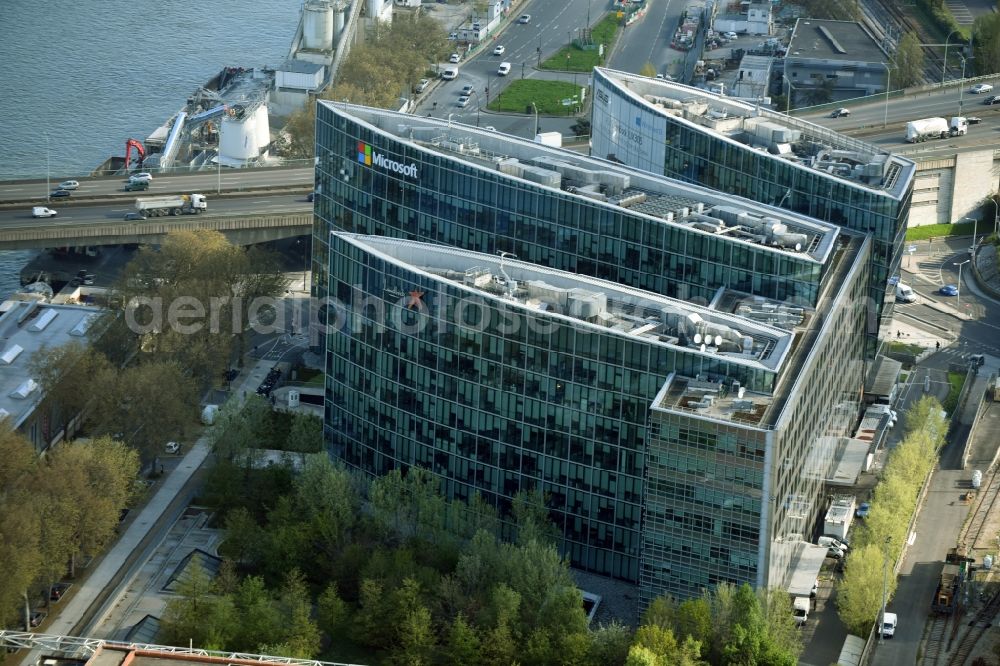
[961, 88]
[996, 213]
[48, 170]
[535, 109]
[788, 99]
[885, 583]
[944, 66]
[958, 297]
[888, 80]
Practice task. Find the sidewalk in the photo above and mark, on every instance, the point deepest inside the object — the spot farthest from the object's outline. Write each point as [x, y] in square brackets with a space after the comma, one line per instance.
[937, 528]
[114, 568]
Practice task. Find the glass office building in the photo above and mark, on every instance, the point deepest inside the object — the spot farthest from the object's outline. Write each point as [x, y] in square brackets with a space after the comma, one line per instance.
[690, 355]
[737, 147]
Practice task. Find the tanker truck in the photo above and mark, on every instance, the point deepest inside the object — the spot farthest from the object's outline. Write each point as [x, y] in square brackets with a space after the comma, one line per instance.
[171, 204]
[935, 128]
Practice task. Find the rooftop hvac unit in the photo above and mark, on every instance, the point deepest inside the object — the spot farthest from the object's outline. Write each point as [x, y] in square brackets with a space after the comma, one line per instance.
[510, 166]
[614, 183]
[546, 292]
[542, 176]
[586, 304]
[743, 405]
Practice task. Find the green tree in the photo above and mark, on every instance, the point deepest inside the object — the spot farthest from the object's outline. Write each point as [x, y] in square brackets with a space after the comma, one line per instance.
[260, 622]
[532, 518]
[197, 615]
[332, 611]
[300, 132]
[67, 375]
[783, 644]
[243, 536]
[908, 70]
[306, 434]
[859, 594]
[642, 656]
[145, 400]
[20, 525]
[610, 644]
[463, 647]
[329, 504]
[694, 620]
[416, 638]
[372, 624]
[986, 35]
[300, 634]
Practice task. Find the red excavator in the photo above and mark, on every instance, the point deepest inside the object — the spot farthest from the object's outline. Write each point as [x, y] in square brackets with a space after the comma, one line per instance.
[129, 145]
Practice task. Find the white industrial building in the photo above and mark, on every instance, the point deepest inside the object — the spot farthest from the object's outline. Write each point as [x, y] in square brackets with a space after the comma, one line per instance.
[26, 327]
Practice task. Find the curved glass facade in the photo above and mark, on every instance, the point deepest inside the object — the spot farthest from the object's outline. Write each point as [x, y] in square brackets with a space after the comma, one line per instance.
[665, 143]
[451, 201]
[451, 385]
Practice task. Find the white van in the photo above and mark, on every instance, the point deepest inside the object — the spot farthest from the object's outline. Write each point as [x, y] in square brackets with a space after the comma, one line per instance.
[449, 73]
[42, 211]
[905, 293]
[888, 625]
[504, 69]
[800, 609]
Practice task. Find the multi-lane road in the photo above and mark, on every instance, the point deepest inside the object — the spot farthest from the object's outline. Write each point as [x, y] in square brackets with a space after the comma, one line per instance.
[261, 203]
[206, 182]
[883, 122]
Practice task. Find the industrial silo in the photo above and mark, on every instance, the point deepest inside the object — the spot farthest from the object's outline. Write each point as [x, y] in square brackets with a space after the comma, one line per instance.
[317, 25]
[238, 134]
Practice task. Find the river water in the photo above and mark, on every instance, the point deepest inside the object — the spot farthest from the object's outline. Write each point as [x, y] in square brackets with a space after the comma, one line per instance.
[82, 80]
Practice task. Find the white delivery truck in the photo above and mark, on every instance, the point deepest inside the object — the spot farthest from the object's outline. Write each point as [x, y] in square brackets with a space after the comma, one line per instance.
[905, 293]
[171, 204]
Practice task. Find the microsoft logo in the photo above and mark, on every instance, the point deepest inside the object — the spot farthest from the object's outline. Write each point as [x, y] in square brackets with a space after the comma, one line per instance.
[364, 153]
[368, 157]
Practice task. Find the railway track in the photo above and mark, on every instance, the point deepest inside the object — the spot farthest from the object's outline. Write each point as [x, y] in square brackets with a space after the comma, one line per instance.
[877, 11]
[934, 645]
[982, 622]
[985, 506]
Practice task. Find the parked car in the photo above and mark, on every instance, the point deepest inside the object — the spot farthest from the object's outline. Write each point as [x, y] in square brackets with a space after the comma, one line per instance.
[831, 542]
[467, 90]
[454, 58]
[948, 290]
[60, 193]
[834, 552]
[422, 86]
[888, 625]
[980, 88]
[69, 185]
[973, 120]
[499, 49]
[172, 448]
[463, 101]
[504, 69]
[863, 510]
[992, 99]
[525, 18]
[815, 589]
[42, 211]
[840, 113]
[449, 73]
[729, 35]
[134, 217]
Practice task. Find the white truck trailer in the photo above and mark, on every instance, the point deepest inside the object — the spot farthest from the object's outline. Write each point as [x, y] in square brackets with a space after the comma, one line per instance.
[171, 204]
[935, 128]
